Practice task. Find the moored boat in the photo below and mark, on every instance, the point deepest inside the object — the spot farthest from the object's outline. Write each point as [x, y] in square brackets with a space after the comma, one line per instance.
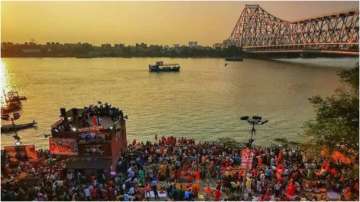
[13, 96]
[159, 66]
[10, 107]
[11, 116]
[15, 127]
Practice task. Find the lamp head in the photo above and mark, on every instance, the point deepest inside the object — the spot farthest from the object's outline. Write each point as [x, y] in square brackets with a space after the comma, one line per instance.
[257, 117]
[244, 118]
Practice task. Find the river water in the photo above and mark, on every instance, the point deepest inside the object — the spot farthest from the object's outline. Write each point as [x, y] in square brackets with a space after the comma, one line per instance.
[203, 101]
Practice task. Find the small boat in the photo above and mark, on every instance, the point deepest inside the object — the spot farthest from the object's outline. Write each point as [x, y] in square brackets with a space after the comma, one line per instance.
[13, 96]
[234, 59]
[159, 66]
[11, 116]
[15, 127]
[10, 107]
[12, 103]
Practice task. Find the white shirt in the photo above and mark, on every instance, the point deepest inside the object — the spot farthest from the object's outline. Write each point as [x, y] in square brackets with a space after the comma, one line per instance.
[87, 192]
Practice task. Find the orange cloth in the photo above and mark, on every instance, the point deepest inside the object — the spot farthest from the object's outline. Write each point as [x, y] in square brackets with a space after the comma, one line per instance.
[31, 152]
[195, 187]
[338, 156]
[207, 190]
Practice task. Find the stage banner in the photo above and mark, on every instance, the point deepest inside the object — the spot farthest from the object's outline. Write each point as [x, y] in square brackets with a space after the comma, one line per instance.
[246, 158]
[63, 146]
[21, 151]
[91, 129]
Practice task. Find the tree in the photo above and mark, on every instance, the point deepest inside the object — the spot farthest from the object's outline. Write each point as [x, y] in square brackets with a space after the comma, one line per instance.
[337, 116]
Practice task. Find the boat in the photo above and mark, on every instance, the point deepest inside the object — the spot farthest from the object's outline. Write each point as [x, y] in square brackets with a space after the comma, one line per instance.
[11, 116]
[12, 104]
[13, 96]
[15, 127]
[10, 107]
[160, 66]
[234, 59]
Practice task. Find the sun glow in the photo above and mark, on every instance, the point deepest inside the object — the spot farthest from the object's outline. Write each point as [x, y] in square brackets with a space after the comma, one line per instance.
[2, 78]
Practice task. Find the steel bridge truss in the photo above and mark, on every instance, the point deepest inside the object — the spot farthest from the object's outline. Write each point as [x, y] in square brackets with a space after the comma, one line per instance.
[256, 29]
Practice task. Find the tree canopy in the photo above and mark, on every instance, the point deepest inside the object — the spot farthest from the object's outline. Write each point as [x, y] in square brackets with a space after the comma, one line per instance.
[337, 116]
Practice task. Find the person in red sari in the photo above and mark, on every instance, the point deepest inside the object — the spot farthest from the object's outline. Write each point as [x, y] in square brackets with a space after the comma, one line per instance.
[217, 195]
[290, 190]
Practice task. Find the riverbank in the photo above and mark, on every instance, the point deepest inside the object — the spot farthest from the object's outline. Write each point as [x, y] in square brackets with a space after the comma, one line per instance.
[182, 169]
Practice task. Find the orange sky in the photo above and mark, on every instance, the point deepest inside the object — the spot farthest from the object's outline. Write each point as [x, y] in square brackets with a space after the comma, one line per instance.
[132, 22]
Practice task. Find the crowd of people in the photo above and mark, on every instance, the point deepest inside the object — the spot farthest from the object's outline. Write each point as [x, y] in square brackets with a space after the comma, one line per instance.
[181, 169]
[88, 116]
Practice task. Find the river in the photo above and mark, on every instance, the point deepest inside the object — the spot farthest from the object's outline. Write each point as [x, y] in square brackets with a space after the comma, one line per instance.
[203, 101]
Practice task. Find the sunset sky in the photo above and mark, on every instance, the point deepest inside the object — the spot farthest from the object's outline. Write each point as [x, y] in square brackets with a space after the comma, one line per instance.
[133, 22]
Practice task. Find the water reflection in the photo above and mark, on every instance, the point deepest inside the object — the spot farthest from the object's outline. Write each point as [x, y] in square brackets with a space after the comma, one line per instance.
[203, 101]
[3, 79]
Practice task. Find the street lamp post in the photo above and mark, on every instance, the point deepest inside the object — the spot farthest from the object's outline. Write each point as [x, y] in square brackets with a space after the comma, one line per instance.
[254, 120]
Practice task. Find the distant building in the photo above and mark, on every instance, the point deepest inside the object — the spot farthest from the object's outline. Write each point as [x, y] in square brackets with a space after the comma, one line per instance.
[119, 45]
[227, 43]
[193, 44]
[31, 50]
[177, 45]
[217, 45]
[107, 45]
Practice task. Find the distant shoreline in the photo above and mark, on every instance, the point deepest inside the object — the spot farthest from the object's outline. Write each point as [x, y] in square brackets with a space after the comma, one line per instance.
[219, 57]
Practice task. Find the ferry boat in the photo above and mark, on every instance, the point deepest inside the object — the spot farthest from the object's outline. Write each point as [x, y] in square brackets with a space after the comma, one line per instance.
[159, 66]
